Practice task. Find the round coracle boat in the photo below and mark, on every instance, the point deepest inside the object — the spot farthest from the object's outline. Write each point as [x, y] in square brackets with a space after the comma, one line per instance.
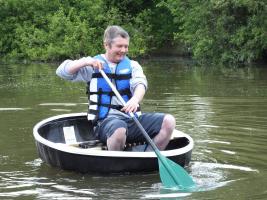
[67, 141]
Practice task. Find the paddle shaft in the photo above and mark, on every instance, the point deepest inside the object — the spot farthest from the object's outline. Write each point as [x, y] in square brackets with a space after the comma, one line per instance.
[149, 140]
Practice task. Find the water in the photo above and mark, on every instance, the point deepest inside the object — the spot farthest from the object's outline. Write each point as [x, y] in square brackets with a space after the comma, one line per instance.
[224, 110]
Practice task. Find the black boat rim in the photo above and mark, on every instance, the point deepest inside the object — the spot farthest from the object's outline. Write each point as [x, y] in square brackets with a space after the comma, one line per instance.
[97, 152]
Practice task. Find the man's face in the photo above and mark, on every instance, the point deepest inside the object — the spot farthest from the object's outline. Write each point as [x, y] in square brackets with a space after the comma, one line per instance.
[117, 50]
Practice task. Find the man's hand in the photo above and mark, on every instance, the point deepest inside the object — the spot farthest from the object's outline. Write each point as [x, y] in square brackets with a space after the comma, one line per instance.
[78, 64]
[95, 63]
[131, 105]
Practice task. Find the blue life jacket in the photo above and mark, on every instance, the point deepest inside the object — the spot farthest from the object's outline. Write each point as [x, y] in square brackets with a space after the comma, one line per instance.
[100, 93]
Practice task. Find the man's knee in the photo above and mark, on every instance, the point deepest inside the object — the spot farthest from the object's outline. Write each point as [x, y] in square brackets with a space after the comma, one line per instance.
[168, 122]
[117, 140]
[119, 134]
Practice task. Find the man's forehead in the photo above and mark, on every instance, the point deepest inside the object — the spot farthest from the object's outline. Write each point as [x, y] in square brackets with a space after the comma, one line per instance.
[120, 39]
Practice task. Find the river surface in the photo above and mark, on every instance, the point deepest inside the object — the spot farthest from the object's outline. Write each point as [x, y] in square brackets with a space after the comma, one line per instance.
[223, 109]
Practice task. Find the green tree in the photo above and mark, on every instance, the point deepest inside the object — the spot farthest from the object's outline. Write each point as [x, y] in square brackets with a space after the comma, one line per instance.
[51, 30]
[56, 32]
[232, 31]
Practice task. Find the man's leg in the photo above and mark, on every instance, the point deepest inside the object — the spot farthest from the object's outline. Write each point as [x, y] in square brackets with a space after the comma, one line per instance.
[163, 137]
[117, 140]
[159, 126]
[112, 131]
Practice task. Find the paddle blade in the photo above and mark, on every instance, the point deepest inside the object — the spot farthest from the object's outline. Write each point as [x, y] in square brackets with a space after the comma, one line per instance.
[173, 175]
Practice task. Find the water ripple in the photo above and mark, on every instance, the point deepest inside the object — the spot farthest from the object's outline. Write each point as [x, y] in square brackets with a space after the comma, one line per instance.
[18, 183]
[210, 166]
[165, 196]
[13, 109]
[66, 188]
[58, 104]
[60, 110]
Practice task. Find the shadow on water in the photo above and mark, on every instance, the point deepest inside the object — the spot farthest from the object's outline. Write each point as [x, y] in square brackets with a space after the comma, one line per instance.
[224, 111]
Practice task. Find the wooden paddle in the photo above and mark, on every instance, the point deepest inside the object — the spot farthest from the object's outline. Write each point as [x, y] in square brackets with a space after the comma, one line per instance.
[171, 174]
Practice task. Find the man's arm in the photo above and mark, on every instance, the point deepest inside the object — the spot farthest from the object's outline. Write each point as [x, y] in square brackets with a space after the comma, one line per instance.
[138, 84]
[78, 70]
[133, 103]
[78, 64]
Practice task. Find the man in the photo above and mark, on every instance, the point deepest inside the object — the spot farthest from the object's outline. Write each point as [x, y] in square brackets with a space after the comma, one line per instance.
[113, 125]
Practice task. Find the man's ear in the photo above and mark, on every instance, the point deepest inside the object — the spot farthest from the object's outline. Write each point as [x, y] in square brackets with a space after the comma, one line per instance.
[106, 45]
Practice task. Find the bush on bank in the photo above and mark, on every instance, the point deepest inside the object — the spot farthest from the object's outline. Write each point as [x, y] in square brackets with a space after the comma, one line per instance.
[231, 31]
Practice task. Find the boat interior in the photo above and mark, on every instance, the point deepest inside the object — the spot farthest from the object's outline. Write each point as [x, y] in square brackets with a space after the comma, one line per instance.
[78, 131]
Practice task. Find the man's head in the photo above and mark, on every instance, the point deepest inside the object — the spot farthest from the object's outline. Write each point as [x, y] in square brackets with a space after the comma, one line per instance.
[116, 42]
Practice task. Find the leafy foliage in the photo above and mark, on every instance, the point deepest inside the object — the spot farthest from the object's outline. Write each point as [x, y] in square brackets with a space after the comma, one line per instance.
[223, 31]
[233, 31]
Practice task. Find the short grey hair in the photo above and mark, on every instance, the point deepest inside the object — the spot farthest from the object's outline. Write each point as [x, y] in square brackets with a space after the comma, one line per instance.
[112, 32]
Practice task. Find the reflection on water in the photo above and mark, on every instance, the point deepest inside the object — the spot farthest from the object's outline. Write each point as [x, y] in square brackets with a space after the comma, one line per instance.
[210, 176]
[210, 166]
[12, 109]
[18, 184]
[169, 195]
[60, 110]
[224, 110]
[58, 104]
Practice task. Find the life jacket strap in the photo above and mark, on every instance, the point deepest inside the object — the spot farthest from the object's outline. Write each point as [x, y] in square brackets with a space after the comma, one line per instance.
[113, 76]
[117, 107]
[111, 93]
